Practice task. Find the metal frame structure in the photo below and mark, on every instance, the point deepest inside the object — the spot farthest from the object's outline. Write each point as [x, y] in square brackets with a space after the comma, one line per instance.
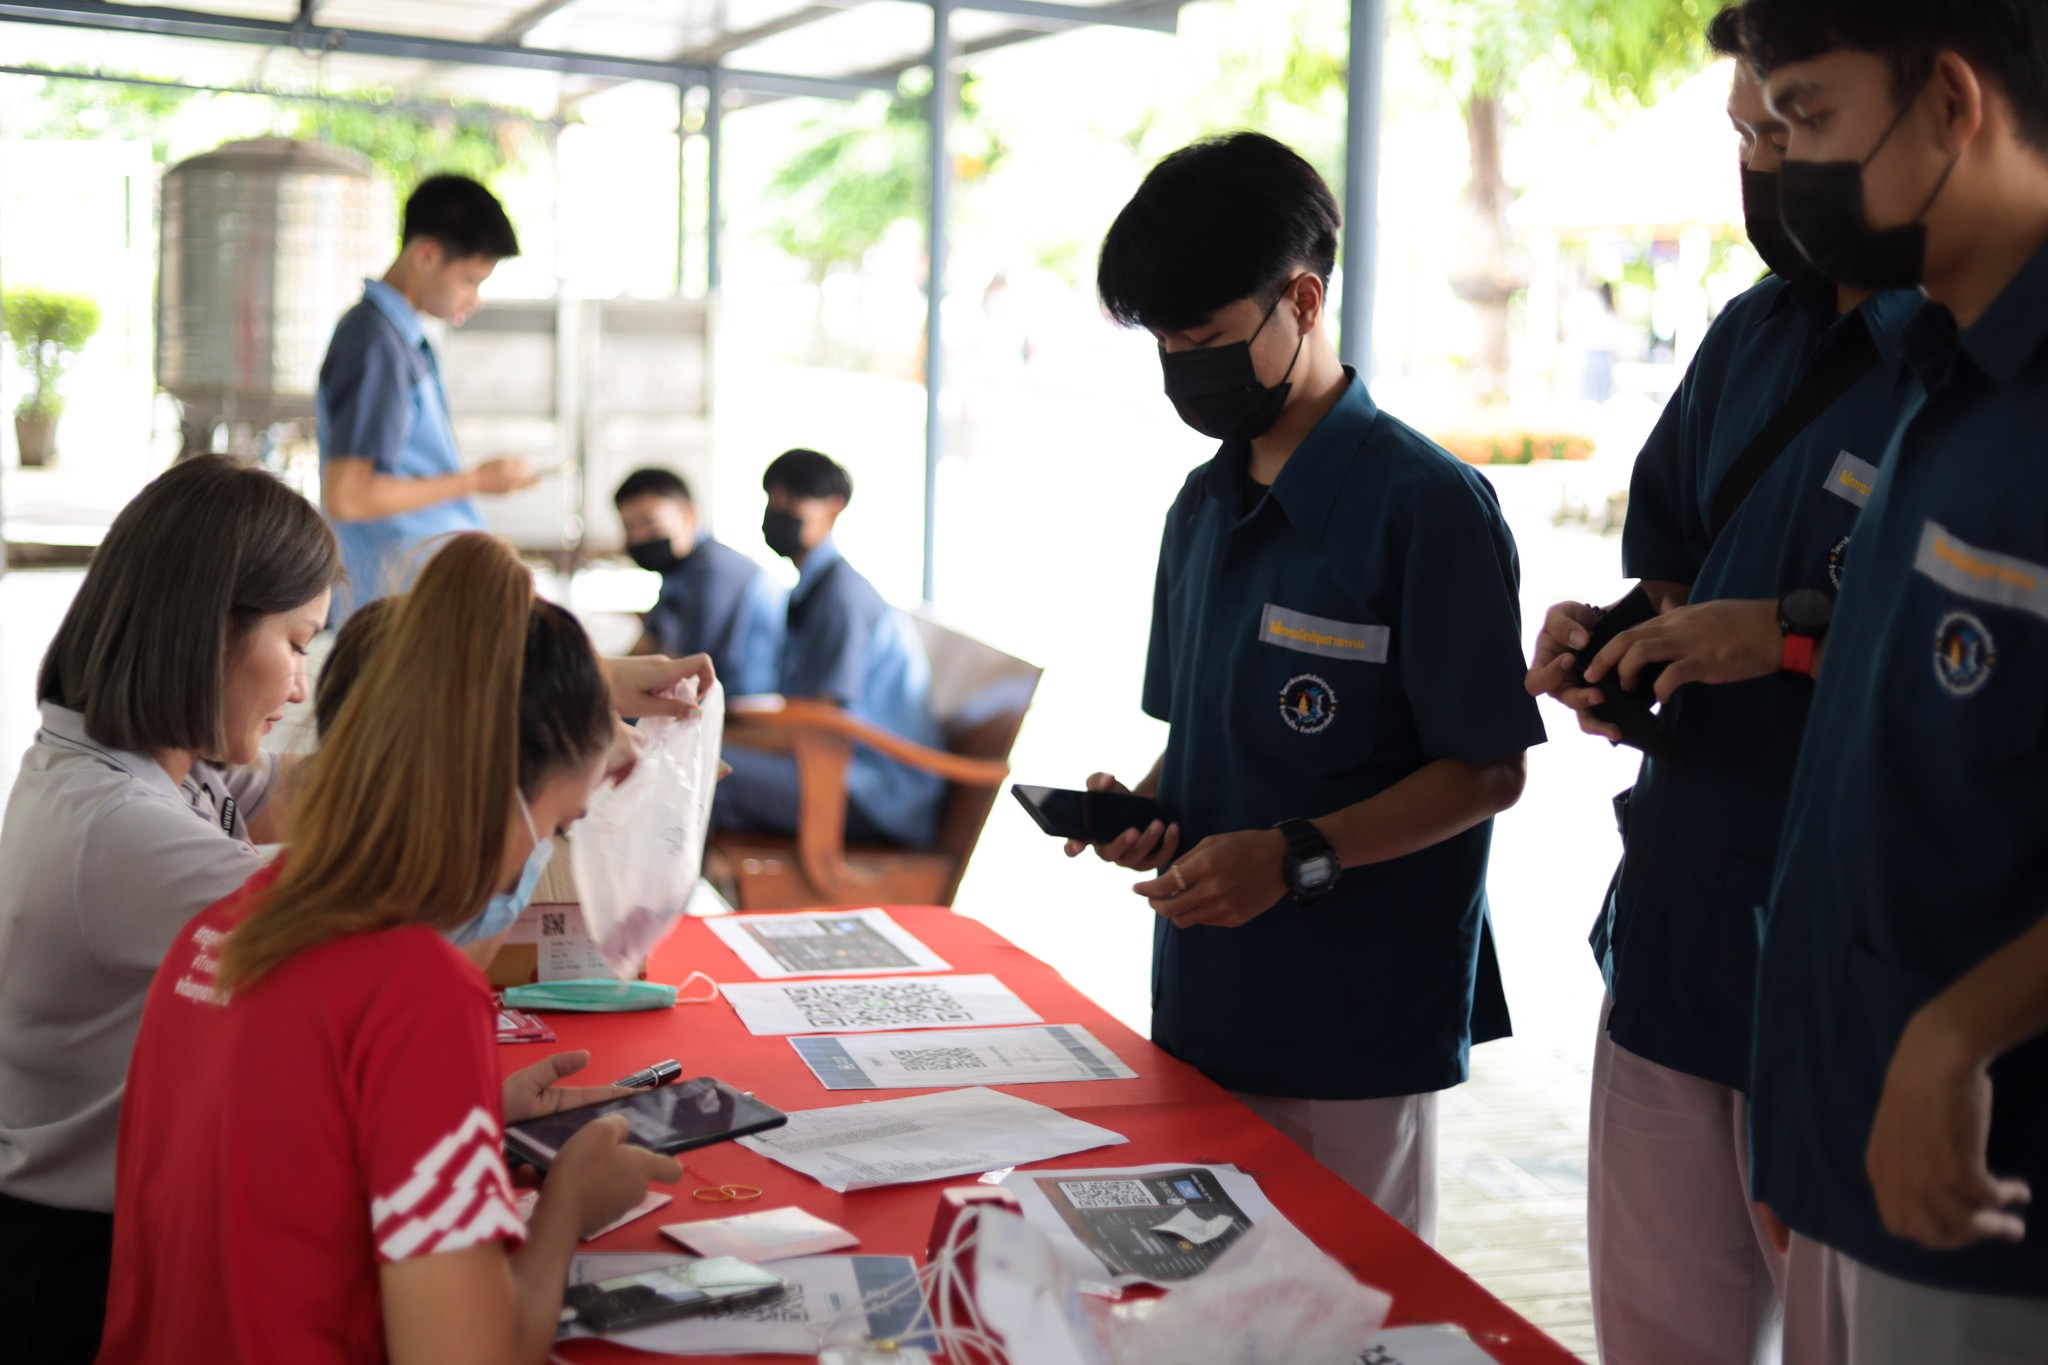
[707, 71]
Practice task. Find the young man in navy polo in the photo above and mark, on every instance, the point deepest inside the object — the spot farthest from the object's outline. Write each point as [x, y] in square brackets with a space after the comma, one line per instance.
[1683, 1265]
[1899, 1081]
[391, 479]
[1336, 647]
[714, 600]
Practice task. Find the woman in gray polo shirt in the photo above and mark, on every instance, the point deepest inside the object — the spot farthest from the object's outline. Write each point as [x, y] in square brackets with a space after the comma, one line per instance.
[139, 804]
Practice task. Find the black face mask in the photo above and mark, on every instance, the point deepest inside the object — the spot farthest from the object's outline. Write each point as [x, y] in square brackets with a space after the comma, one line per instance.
[1216, 390]
[784, 532]
[657, 556]
[1822, 205]
[1766, 229]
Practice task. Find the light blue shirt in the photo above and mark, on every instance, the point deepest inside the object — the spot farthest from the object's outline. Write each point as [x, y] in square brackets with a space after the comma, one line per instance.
[380, 398]
[847, 645]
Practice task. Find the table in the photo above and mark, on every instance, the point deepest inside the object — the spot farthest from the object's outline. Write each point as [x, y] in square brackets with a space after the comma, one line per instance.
[1170, 1113]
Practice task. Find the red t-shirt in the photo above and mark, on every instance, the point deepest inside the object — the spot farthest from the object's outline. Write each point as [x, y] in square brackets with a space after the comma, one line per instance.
[279, 1146]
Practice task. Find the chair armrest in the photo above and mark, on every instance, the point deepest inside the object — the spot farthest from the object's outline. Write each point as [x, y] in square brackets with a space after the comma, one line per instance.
[783, 714]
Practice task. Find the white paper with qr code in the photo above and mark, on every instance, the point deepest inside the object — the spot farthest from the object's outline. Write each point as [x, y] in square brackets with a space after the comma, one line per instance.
[980, 1056]
[924, 1137]
[873, 1004]
[1123, 1221]
[825, 943]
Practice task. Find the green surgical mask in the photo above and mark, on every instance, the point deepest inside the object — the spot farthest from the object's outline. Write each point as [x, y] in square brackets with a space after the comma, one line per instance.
[600, 995]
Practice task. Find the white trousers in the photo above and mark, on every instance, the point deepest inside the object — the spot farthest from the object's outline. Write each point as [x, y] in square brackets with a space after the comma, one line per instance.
[1866, 1317]
[1384, 1149]
[1683, 1270]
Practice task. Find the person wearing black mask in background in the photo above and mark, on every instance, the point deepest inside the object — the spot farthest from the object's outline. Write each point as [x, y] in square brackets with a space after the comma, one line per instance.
[846, 645]
[1789, 399]
[1336, 648]
[714, 600]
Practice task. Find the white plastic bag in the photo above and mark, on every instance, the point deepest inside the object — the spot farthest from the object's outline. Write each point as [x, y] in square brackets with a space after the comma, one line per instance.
[639, 852]
[1273, 1298]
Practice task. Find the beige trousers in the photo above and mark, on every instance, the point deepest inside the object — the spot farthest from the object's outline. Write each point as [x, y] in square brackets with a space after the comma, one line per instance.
[1384, 1149]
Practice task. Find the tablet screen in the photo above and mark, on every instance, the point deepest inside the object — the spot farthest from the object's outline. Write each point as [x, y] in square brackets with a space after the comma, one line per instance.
[671, 1118]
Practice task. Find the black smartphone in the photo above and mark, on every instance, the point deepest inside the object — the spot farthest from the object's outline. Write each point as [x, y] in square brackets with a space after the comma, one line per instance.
[1631, 710]
[675, 1118]
[670, 1292]
[1092, 817]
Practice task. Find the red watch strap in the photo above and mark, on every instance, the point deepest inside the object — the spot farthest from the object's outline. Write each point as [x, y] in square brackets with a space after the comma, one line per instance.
[1798, 655]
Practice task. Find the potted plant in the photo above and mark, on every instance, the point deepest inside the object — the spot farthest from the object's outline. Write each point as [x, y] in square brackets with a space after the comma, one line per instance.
[48, 331]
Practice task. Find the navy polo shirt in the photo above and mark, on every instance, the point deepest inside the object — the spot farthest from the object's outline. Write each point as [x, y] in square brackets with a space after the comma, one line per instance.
[1913, 847]
[717, 601]
[1676, 937]
[1357, 621]
[847, 645]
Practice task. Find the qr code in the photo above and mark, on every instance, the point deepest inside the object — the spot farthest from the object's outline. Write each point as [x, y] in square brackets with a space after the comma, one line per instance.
[852, 1005]
[938, 1059]
[554, 926]
[1107, 1194]
[787, 1307]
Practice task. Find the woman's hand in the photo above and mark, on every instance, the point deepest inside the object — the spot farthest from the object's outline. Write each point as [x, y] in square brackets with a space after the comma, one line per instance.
[640, 683]
[531, 1092]
[603, 1177]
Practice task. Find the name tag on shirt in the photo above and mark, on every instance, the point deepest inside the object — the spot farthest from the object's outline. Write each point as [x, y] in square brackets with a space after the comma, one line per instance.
[1984, 575]
[1319, 635]
[1852, 479]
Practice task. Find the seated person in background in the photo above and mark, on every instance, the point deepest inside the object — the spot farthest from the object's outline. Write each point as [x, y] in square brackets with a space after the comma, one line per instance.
[363, 1212]
[714, 600]
[845, 645]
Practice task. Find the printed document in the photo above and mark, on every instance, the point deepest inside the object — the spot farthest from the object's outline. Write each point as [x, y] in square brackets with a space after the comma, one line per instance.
[923, 1137]
[873, 1004]
[825, 943]
[982, 1056]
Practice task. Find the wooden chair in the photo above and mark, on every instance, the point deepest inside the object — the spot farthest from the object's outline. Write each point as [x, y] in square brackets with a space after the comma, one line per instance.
[979, 695]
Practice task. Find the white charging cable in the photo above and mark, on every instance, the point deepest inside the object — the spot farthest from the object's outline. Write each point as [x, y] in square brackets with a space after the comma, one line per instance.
[957, 1328]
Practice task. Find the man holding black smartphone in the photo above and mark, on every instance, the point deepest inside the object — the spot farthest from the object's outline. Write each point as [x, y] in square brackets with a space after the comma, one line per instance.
[1336, 648]
[1741, 513]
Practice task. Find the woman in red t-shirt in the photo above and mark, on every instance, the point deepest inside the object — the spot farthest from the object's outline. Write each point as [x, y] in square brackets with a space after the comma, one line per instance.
[310, 1164]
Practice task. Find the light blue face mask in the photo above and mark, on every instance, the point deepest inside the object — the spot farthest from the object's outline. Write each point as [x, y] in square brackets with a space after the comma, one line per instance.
[497, 916]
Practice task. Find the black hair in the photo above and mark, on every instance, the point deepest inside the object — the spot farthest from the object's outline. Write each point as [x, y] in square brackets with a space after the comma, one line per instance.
[2006, 41]
[354, 643]
[652, 482]
[1724, 32]
[463, 216]
[206, 550]
[565, 705]
[807, 474]
[1220, 220]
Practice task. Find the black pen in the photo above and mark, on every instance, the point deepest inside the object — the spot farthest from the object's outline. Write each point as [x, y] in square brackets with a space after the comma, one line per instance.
[661, 1073]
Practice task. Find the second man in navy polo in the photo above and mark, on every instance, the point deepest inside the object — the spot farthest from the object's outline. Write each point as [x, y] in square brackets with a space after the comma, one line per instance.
[1336, 648]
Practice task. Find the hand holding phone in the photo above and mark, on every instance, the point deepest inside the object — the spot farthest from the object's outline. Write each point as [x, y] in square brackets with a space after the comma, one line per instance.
[1092, 817]
[603, 1175]
[1630, 710]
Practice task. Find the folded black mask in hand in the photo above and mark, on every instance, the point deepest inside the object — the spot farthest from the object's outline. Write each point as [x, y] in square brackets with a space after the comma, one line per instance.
[1632, 710]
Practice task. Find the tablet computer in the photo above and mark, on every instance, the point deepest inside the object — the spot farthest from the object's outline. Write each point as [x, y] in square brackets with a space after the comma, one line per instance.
[673, 1118]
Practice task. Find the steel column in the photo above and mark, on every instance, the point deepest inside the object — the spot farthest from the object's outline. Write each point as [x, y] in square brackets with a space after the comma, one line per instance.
[1362, 182]
[939, 182]
[714, 195]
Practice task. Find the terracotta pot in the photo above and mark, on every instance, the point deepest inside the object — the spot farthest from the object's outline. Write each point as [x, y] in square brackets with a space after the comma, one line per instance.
[36, 439]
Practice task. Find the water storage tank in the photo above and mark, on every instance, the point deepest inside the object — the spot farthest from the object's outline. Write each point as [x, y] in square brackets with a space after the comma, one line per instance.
[265, 245]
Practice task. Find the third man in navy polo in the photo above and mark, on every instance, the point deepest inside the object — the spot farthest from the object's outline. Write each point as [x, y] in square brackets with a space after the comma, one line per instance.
[1900, 1073]
[1336, 648]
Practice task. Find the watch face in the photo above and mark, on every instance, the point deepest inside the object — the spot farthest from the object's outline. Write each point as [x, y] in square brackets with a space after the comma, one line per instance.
[1317, 874]
[1806, 610]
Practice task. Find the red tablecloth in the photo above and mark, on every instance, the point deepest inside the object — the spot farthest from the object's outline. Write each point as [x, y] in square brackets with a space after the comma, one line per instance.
[1170, 1113]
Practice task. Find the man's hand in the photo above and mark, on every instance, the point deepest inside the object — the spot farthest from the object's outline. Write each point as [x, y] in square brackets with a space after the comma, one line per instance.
[1564, 634]
[1140, 850]
[531, 1093]
[640, 681]
[507, 474]
[1226, 880]
[1926, 1157]
[1708, 642]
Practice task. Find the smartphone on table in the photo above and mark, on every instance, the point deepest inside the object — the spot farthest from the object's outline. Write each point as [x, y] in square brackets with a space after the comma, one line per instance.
[674, 1118]
[1091, 817]
[671, 1291]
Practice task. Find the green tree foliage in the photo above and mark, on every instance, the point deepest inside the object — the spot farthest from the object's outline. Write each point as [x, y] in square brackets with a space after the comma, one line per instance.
[408, 146]
[859, 169]
[47, 330]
